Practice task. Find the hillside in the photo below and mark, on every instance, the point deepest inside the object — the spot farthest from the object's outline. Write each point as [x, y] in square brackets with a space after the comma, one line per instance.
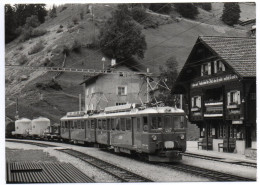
[175, 37]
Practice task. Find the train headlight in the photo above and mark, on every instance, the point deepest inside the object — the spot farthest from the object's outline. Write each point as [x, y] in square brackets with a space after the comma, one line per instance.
[182, 136]
[154, 137]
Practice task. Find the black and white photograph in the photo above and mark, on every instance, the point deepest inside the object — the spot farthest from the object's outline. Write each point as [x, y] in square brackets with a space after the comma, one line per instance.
[129, 92]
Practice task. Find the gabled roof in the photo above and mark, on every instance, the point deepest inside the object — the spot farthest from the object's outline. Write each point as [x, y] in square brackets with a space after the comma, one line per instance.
[130, 63]
[238, 52]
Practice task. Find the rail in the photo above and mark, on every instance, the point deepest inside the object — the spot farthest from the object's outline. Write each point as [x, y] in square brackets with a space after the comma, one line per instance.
[121, 174]
[211, 174]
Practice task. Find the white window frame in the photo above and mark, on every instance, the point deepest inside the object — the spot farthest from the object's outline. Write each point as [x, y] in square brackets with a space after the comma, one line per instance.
[236, 97]
[196, 101]
[125, 89]
[218, 64]
[204, 67]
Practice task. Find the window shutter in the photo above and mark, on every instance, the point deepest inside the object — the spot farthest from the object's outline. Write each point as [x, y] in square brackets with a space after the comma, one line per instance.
[228, 98]
[215, 66]
[209, 68]
[199, 102]
[238, 97]
[202, 70]
[223, 66]
[192, 102]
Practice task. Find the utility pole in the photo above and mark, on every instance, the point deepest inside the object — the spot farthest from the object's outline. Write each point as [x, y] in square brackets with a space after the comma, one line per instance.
[16, 111]
[93, 21]
[147, 86]
[180, 101]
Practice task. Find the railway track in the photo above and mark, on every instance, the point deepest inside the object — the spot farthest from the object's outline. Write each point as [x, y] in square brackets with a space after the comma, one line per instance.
[219, 159]
[31, 143]
[119, 173]
[211, 174]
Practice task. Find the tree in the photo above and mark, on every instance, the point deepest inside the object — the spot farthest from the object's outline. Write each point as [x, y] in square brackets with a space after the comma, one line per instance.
[10, 23]
[53, 12]
[121, 37]
[204, 6]
[161, 7]
[168, 76]
[187, 10]
[231, 13]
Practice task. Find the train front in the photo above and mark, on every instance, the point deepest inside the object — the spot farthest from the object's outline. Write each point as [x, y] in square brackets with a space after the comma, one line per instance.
[167, 133]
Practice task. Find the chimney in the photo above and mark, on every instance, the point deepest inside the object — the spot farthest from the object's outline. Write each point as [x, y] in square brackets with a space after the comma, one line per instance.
[113, 62]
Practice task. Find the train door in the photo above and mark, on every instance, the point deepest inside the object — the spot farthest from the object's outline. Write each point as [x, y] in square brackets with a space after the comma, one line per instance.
[136, 132]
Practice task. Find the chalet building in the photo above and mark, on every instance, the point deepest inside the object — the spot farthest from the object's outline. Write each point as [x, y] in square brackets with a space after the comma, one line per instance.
[219, 84]
[103, 90]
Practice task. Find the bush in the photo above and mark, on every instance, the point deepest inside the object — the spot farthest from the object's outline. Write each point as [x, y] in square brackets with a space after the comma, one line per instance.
[63, 8]
[21, 47]
[81, 15]
[38, 32]
[26, 34]
[36, 48]
[76, 46]
[32, 22]
[49, 85]
[61, 26]
[66, 50]
[70, 26]
[59, 30]
[139, 14]
[187, 10]
[22, 60]
[75, 20]
[205, 6]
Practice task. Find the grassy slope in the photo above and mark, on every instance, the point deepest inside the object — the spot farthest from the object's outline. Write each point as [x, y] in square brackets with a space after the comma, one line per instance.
[166, 41]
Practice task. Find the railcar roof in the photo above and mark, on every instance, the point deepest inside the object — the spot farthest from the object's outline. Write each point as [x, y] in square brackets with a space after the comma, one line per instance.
[150, 110]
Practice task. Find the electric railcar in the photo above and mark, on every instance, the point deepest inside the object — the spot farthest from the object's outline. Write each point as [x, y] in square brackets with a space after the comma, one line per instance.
[156, 133]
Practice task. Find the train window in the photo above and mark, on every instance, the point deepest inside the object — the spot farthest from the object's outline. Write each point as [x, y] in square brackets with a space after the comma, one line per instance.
[108, 124]
[117, 124]
[160, 123]
[78, 124]
[138, 125]
[104, 124]
[154, 124]
[128, 123]
[178, 121]
[145, 124]
[82, 124]
[167, 124]
[99, 124]
[113, 124]
[122, 120]
[92, 124]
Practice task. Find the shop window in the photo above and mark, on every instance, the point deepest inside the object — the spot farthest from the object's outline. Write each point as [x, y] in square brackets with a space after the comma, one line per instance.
[206, 69]
[233, 97]
[92, 124]
[113, 126]
[196, 101]
[218, 66]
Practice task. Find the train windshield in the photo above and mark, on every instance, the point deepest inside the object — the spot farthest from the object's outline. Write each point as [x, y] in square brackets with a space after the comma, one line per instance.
[167, 123]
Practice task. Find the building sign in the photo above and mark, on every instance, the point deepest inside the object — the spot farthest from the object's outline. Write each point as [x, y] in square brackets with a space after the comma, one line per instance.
[214, 80]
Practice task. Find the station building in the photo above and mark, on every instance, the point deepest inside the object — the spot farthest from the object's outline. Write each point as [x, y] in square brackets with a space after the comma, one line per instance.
[219, 84]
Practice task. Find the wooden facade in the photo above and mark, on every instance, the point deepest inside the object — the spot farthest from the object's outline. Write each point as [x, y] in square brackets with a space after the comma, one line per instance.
[219, 83]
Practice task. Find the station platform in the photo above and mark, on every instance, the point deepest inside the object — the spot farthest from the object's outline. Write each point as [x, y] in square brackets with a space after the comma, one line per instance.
[192, 147]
